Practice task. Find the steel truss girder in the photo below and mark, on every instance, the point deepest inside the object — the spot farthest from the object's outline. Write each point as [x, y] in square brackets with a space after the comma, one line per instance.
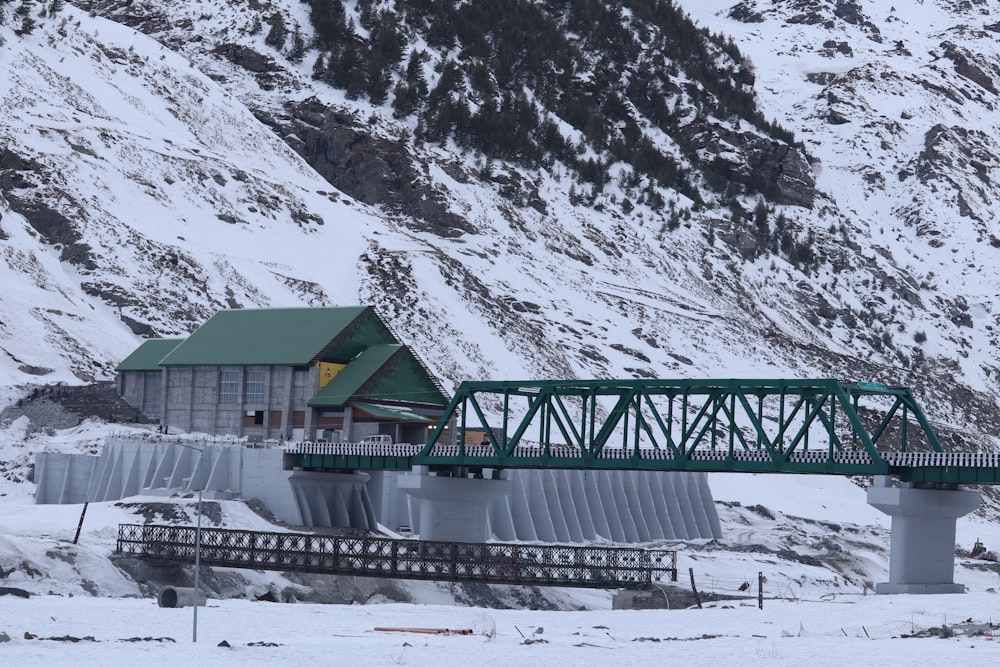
[752, 425]
[371, 556]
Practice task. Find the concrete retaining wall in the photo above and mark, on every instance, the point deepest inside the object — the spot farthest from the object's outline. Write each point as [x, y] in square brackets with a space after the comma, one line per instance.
[558, 506]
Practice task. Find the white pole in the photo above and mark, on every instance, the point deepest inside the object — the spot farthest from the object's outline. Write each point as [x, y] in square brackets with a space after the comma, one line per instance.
[197, 569]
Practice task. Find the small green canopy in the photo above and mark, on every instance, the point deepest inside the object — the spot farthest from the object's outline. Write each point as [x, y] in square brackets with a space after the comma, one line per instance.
[393, 412]
[381, 373]
[349, 381]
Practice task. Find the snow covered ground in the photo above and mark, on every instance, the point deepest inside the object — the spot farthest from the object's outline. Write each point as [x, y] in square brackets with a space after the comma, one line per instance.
[810, 613]
[845, 629]
[819, 546]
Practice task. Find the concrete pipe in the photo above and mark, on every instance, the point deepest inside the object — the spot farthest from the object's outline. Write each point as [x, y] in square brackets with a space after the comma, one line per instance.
[175, 596]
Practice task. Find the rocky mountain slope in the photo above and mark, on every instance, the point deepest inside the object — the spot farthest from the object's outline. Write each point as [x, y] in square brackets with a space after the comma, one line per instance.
[796, 188]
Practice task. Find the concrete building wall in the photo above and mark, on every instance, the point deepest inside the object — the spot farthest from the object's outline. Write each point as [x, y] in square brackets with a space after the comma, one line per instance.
[178, 384]
[306, 383]
[143, 390]
[205, 386]
[361, 430]
[187, 399]
[192, 402]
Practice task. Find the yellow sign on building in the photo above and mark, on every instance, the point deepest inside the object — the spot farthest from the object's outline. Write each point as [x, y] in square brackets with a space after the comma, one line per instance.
[328, 371]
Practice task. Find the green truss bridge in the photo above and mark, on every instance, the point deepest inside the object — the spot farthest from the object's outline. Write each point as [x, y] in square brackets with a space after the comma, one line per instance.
[762, 426]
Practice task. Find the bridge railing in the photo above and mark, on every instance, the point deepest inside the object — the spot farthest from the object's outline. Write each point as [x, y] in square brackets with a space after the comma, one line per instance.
[370, 556]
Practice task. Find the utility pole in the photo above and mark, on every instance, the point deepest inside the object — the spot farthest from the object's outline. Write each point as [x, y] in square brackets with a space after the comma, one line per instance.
[694, 589]
[197, 570]
[80, 525]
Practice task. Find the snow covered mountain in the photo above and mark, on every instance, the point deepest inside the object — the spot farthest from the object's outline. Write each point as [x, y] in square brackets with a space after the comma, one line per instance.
[159, 161]
[786, 188]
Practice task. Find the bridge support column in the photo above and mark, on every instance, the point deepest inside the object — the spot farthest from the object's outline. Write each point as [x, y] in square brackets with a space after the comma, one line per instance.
[330, 499]
[454, 509]
[922, 547]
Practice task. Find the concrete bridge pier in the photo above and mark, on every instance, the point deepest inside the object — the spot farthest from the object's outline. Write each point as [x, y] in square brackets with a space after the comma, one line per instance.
[333, 499]
[455, 508]
[922, 547]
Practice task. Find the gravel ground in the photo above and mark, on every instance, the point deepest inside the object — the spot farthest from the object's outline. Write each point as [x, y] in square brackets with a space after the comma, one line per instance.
[60, 407]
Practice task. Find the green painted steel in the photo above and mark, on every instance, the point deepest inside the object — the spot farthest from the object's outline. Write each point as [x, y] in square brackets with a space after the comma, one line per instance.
[148, 355]
[759, 425]
[393, 412]
[355, 375]
[819, 426]
[948, 474]
[275, 337]
[331, 462]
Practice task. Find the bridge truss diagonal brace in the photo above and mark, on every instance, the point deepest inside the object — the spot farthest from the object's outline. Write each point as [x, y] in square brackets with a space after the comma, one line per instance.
[682, 424]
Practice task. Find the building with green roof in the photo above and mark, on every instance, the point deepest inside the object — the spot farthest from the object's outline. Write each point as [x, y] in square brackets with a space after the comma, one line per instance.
[287, 374]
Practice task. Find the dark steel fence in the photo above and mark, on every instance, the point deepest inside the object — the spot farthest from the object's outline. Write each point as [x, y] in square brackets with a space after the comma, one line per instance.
[369, 556]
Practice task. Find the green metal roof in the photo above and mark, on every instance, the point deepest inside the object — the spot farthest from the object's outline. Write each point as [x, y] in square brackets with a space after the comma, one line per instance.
[148, 355]
[349, 381]
[394, 412]
[404, 378]
[362, 334]
[263, 337]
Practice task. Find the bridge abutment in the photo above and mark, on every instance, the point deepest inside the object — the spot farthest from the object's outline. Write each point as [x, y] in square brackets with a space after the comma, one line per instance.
[922, 546]
[454, 509]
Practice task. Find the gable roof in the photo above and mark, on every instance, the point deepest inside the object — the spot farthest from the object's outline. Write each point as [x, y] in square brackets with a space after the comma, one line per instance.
[264, 337]
[147, 356]
[381, 373]
[349, 381]
[376, 366]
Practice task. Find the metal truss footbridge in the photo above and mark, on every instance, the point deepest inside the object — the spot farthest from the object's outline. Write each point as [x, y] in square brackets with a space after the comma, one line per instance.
[377, 556]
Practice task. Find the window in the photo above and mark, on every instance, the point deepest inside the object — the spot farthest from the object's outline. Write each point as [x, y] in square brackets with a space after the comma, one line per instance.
[229, 386]
[253, 418]
[254, 390]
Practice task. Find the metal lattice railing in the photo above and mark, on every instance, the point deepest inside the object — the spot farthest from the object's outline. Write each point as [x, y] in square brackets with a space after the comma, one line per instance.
[518, 564]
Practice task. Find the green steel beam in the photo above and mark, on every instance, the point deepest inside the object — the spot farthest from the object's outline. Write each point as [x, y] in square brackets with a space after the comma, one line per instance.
[668, 424]
[349, 462]
[787, 415]
[948, 475]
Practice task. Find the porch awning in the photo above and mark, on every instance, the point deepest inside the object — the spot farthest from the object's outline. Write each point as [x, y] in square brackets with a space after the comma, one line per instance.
[396, 412]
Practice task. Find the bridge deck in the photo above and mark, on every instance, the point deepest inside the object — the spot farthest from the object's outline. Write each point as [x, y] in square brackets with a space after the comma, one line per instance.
[370, 556]
[940, 467]
[818, 426]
